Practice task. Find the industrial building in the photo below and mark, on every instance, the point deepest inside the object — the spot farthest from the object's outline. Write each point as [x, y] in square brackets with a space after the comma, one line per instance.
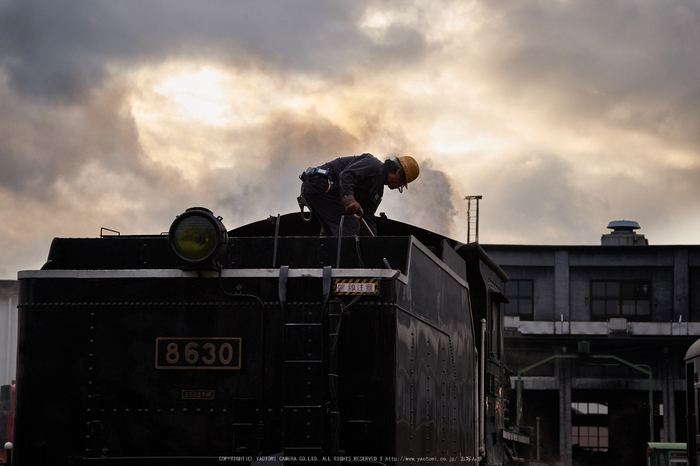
[595, 337]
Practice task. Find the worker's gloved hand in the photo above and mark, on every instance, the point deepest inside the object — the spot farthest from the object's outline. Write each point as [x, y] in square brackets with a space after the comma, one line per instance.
[354, 208]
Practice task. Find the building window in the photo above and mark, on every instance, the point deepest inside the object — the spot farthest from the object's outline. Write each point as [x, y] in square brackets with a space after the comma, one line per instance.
[520, 293]
[589, 408]
[592, 438]
[630, 299]
[589, 430]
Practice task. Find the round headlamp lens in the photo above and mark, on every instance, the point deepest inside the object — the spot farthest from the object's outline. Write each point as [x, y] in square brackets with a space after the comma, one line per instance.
[195, 238]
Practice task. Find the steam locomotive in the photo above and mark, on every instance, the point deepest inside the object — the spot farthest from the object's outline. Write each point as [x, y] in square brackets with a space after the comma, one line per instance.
[266, 344]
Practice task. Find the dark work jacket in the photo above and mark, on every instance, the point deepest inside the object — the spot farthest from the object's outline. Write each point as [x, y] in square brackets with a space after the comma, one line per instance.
[362, 177]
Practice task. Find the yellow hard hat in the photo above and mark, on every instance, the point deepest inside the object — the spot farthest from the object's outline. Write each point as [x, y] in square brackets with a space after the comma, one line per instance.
[409, 166]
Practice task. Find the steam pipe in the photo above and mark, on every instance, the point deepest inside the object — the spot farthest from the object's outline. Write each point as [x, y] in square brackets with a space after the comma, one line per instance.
[277, 237]
[482, 399]
[340, 241]
[538, 438]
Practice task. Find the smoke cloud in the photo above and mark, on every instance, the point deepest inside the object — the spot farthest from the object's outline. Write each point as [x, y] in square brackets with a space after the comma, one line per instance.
[562, 116]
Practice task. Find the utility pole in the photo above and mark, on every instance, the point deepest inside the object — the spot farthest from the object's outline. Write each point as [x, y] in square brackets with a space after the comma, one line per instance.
[472, 220]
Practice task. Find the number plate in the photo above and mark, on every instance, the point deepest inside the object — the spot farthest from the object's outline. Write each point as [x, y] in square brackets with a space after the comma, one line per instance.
[198, 394]
[198, 353]
[350, 287]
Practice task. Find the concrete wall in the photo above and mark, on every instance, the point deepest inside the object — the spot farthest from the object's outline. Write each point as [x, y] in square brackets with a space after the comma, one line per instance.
[562, 277]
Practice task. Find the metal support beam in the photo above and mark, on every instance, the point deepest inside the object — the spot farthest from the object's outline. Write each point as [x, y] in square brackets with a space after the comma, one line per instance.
[645, 369]
[519, 402]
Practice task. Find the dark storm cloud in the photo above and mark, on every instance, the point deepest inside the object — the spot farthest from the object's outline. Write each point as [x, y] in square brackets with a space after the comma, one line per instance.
[45, 144]
[62, 49]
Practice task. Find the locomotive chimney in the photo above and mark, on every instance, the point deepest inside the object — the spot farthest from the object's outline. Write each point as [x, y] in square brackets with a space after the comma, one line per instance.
[623, 234]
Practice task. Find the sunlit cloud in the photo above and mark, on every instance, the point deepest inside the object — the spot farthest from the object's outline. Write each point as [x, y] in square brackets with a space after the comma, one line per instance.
[185, 112]
[197, 96]
[563, 115]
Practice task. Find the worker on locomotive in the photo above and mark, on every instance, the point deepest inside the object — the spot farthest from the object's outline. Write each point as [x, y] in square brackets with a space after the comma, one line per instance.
[348, 190]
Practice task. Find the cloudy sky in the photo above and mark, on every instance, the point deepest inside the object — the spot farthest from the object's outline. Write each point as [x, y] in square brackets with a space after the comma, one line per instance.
[562, 114]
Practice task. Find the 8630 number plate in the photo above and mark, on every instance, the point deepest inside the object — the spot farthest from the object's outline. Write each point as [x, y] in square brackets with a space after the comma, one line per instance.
[198, 353]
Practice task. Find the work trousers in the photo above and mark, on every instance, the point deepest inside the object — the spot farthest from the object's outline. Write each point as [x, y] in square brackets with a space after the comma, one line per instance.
[326, 207]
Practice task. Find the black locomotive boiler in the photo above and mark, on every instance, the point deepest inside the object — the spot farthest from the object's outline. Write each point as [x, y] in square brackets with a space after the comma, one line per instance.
[266, 343]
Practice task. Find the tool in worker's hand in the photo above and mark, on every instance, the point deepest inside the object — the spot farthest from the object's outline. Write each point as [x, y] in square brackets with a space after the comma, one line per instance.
[361, 218]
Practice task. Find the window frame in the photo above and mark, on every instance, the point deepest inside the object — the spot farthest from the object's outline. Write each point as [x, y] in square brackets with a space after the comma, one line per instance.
[630, 299]
[520, 301]
[589, 426]
[591, 438]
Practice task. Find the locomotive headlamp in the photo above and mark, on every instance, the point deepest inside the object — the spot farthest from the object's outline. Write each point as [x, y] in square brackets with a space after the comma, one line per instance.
[197, 237]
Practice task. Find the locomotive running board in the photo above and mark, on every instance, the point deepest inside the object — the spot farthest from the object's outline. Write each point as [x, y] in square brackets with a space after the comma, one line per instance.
[226, 273]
